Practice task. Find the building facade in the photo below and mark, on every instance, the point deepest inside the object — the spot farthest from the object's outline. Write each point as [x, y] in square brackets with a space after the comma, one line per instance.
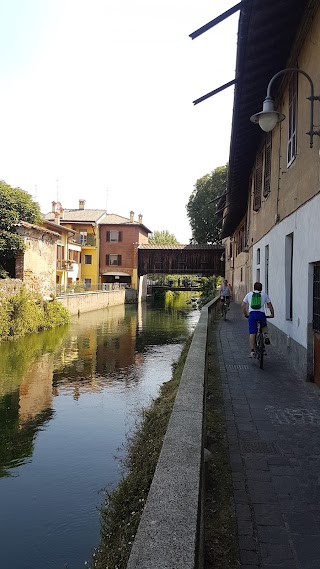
[271, 220]
[120, 238]
[36, 265]
[84, 225]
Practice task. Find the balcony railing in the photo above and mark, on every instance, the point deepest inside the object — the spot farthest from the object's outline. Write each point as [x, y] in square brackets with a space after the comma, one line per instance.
[78, 287]
[64, 265]
[84, 240]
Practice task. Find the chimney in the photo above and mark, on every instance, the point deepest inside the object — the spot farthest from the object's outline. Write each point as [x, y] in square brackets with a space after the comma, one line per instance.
[57, 217]
[131, 216]
[140, 218]
[53, 207]
[82, 203]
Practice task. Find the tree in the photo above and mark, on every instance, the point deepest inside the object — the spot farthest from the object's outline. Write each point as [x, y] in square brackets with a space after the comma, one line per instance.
[203, 207]
[163, 238]
[15, 205]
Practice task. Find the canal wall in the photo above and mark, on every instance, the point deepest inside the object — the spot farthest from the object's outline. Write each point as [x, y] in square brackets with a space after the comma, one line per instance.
[78, 303]
[170, 533]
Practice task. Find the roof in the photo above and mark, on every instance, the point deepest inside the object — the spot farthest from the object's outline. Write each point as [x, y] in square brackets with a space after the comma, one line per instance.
[178, 246]
[94, 216]
[85, 215]
[58, 227]
[266, 35]
[114, 219]
[38, 228]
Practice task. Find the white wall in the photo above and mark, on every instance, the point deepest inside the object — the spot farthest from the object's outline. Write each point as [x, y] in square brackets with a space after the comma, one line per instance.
[305, 225]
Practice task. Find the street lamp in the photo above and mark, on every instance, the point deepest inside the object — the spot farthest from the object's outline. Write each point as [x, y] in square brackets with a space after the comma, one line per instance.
[269, 117]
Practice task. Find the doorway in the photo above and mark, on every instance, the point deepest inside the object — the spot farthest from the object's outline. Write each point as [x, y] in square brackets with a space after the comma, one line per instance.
[316, 323]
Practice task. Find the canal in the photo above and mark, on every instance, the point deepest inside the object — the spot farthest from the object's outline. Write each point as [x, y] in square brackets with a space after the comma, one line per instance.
[68, 398]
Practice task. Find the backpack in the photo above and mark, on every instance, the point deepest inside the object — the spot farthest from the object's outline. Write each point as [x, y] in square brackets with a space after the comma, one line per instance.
[256, 300]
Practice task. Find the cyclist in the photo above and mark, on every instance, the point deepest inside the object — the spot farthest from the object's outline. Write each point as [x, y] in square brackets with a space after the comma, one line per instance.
[253, 308]
[225, 293]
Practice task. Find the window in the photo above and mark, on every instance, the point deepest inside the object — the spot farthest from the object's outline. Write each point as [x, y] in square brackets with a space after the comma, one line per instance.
[258, 256]
[74, 255]
[114, 236]
[266, 258]
[87, 283]
[60, 252]
[241, 275]
[292, 119]
[88, 259]
[288, 274]
[267, 165]
[113, 260]
[83, 237]
[257, 182]
[258, 276]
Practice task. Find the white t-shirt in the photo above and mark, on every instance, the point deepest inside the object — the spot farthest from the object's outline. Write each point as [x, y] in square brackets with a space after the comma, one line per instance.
[264, 300]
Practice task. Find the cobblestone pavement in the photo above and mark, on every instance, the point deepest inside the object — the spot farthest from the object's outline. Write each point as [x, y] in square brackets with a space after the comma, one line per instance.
[273, 425]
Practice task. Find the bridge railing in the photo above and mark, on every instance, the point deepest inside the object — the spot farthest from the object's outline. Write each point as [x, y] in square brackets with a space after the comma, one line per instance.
[170, 532]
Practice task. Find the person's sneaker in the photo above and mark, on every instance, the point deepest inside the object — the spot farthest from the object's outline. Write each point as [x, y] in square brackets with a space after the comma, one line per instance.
[251, 355]
[266, 339]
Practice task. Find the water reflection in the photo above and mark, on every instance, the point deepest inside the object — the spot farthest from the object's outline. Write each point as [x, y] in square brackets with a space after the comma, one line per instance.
[67, 400]
[26, 372]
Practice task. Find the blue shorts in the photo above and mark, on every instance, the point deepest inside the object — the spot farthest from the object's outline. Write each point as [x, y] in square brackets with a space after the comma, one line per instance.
[254, 317]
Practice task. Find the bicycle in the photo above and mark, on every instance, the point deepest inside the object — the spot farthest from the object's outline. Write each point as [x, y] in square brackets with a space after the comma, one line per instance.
[259, 346]
[224, 308]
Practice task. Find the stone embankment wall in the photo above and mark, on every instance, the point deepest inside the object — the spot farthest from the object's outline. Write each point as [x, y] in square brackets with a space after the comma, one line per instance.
[87, 301]
[170, 532]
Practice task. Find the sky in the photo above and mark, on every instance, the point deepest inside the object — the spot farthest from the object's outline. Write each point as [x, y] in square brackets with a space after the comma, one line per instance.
[96, 103]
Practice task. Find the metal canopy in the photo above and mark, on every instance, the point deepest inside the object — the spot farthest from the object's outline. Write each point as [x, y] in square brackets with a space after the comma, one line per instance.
[266, 34]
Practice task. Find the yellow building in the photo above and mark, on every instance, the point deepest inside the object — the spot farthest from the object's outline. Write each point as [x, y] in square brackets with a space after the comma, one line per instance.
[84, 224]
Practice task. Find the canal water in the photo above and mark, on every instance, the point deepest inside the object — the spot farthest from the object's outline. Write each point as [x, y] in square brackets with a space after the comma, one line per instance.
[68, 398]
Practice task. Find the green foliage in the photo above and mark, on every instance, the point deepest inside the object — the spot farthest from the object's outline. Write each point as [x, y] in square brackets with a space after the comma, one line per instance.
[22, 314]
[203, 212]
[208, 290]
[163, 238]
[15, 205]
[121, 513]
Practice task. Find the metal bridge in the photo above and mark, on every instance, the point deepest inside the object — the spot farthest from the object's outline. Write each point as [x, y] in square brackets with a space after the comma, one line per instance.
[205, 260]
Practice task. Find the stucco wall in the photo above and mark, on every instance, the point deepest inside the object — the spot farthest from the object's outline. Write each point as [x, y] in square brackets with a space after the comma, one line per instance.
[36, 266]
[304, 224]
[85, 302]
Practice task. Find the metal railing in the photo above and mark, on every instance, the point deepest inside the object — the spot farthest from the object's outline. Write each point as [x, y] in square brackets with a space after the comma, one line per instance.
[82, 287]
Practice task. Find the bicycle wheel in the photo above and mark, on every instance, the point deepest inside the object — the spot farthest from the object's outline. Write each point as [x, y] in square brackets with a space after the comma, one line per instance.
[260, 343]
[225, 310]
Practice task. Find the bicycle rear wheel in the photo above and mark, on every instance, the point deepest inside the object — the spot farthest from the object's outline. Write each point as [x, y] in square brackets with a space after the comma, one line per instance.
[225, 310]
[260, 343]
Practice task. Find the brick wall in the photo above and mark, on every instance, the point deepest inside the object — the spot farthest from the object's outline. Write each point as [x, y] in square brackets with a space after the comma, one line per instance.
[132, 236]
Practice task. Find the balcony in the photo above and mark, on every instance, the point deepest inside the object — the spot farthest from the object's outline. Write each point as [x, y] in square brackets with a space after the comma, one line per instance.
[64, 265]
[88, 240]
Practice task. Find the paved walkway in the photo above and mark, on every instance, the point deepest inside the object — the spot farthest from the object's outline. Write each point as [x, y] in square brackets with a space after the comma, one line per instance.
[273, 423]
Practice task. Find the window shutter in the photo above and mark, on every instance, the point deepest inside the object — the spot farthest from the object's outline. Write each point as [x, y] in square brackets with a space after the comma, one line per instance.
[120, 235]
[267, 165]
[108, 236]
[257, 183]
[107, 260]
[119, 260]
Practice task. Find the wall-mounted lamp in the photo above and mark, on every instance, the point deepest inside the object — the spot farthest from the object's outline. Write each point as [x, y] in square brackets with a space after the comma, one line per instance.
[269, 117]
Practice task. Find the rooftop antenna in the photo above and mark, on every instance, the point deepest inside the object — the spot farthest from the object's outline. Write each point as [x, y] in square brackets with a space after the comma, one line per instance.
[35, 197]
[57, 190]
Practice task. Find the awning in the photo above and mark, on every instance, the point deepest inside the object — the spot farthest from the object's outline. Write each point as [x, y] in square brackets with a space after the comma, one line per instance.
[115, 275]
